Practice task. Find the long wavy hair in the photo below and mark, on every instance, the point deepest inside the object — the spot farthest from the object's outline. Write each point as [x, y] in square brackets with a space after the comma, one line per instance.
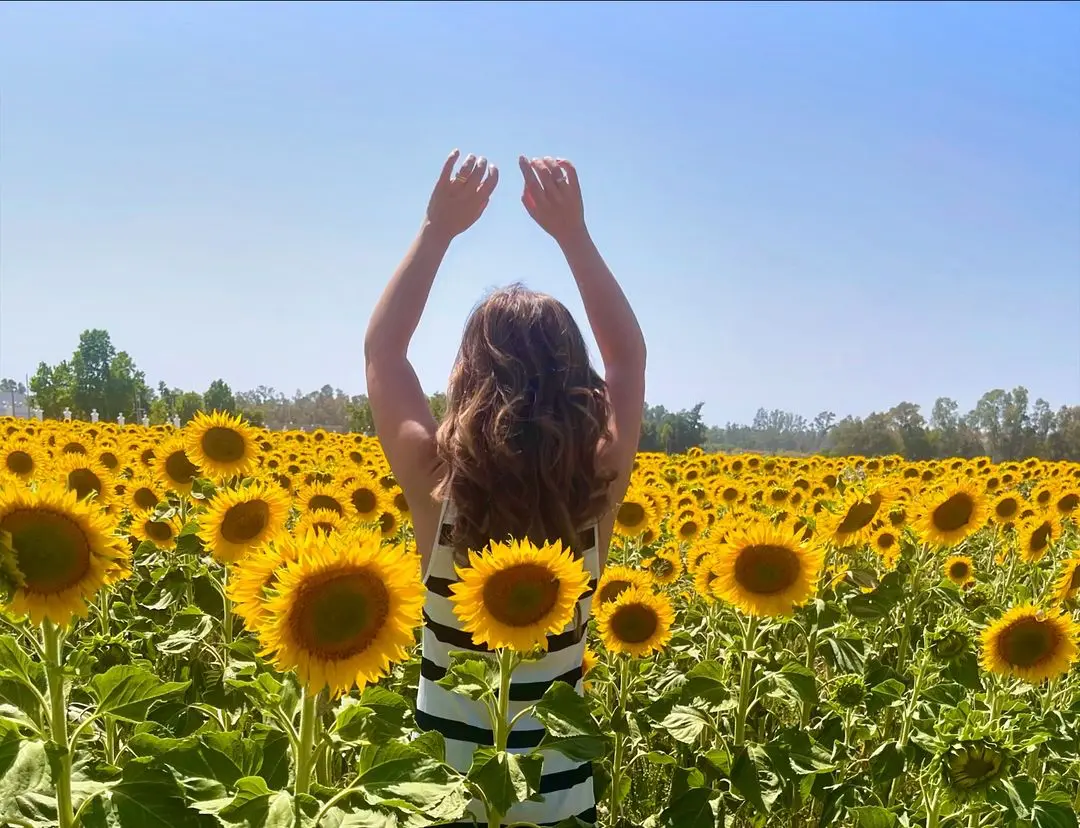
[525, 415]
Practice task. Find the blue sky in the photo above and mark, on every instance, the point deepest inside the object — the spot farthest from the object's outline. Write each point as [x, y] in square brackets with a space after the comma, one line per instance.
[811, 206]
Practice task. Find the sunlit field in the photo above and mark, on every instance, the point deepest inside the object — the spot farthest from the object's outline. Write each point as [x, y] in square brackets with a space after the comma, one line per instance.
[218, 626]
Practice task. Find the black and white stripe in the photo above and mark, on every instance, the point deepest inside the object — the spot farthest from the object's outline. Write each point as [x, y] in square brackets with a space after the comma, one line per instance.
[566, 785]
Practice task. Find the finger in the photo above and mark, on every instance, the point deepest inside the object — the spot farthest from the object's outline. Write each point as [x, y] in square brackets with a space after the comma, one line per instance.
[467, 167]
[476, 177]
[552, 179]
[571, 172]
[532, 183]
[546, 176]
[488, 187]
[447, 168]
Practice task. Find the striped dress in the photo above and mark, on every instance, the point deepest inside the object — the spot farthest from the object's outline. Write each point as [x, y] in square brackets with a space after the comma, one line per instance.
[566, 785]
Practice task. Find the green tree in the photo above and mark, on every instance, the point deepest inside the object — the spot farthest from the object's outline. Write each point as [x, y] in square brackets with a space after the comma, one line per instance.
[219, 397]
[360, 417]
[437, 402]
[125, 390]
[188, 405]
[91, 363]
[53, 389]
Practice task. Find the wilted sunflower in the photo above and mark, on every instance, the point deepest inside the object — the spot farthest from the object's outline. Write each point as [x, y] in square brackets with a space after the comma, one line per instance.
[637, 623]
[84, 476]
[1067, 585]
[635, 514]
[174, 469]
[220, 444]
[960, 569]
[21, 459]
[970, 767]
[764, 570]
[616, 579]
[950, 514]
[1030, 643]
[65, 551]
[344, 610]
[160, 532]
[239, 519]
[515, 594]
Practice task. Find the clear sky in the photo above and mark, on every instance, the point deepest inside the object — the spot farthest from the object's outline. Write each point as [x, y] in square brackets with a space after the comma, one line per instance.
[811, 206]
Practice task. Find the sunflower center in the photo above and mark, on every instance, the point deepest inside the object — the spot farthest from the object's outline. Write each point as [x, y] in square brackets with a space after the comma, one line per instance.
[859, 515]
[688, 529]
[400, 503]
[19, 462]
[321, 501]
[958, 570]
[631, 514]
[223, 445]
[180, 469]
[1074, 582]
[109, 460]
[976, 768]
[634, 623]
[766, 569]
[53, 551]
[613, 589]
[1040, 538]
[83, 482]
[244, 521]
[158, 530]
[886, 541]
[1005, 509]
[145, 497]
[1026, 642]
[340, 616]
[521, 595]
[387, 523]
[954, 513]
[1068, 503]
[363, 500]
[729, 494]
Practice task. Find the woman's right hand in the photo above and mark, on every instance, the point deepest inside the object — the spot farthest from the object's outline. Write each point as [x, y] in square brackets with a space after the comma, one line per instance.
[552, 197]
[459, 200]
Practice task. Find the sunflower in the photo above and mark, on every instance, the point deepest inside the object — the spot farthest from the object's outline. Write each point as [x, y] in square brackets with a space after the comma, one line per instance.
[588, 661]
[253, 578]
[1005, 508]
[220, 444]
[325, 521]
[960, 569]
[320, 495]
[1033, 538]
[616, 579]
[366, 497]
[143, 493]
[84, 476]
[637, 623]
[1030, 643]
[951, 513]
[1067, 585]
[971, 766]
[1067, 501]
[174, 469]
[635, 514]
[64, 549]
[21, 460]
[704, 575]
[667, 566]
[239, 519]
[516, 593]
[855, 522]
[688, 525]
[145, 526]
[343, 611]
[764, 570]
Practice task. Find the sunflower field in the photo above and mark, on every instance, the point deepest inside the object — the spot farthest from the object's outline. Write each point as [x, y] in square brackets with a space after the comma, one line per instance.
[219, 626]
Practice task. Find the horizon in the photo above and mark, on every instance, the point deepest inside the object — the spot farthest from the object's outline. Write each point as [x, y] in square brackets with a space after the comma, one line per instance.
[837, 207]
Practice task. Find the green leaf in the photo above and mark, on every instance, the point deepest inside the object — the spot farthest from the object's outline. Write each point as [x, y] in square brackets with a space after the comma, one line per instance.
[886, 763]
[224, 756]
[871, 816]
[274, 748]
[471, 675]
[692, 809]
[747, 769]
[797, 682]
[709, 681]
[1053, 810]
[190, 627]
[685, 724]
[127, 692]
[24, 773]
[795, 754]
[379, 715]
[145, 797]
[889, 693]
[505, 778]
[16, 664]
[571, 729]
[654, 758]
[403, 776]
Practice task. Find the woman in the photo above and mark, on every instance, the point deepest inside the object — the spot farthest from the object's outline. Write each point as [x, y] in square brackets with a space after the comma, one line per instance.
[534, 444]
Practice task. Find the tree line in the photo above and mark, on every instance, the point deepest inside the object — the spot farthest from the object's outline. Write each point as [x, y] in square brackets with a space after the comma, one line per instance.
[1004, 425]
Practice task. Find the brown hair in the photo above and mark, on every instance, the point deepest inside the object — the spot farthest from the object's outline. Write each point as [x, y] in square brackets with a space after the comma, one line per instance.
[525, 415]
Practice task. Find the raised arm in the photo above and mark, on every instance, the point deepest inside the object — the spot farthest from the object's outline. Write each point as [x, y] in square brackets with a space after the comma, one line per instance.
[403, 419]
[553, 198]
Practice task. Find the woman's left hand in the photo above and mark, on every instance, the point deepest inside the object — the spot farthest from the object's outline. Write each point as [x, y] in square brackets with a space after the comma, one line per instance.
[458, 200]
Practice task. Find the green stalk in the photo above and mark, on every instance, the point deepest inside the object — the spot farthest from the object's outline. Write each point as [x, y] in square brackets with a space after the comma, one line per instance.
[305, 752]
[617, 757]
[54, 674]
[226, 619]
[501, 721]
[811, 656]
[745, 680]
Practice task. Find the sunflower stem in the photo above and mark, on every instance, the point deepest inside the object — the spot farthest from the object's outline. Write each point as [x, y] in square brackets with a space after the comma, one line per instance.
[811, 657]
[54, 674]
[226, 620]
[500, 724]
[617, 756]
[745, 680]
[305, 752]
